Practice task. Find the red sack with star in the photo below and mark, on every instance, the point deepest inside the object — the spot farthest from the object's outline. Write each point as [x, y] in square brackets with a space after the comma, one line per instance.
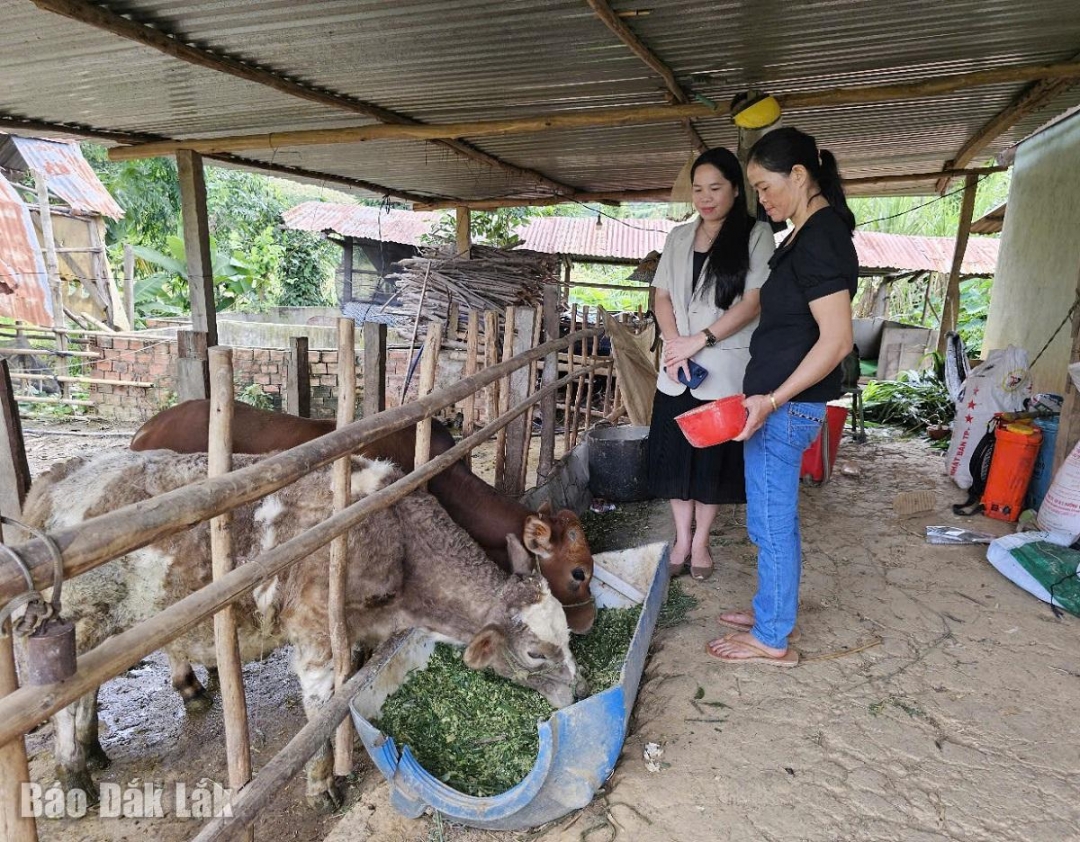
[1001, 383]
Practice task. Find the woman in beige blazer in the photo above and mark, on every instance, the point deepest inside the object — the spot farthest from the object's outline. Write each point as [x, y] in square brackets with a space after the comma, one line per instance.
[706, 307]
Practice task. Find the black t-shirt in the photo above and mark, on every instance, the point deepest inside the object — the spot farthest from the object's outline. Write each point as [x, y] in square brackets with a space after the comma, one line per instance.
[699, 263]
[818, 261]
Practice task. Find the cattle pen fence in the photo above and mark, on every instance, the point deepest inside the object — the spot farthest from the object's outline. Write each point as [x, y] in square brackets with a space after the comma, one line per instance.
[109, 536]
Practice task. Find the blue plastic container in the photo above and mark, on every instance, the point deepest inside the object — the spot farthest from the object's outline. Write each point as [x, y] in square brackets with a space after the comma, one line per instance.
[1043, 472]
[579, 745]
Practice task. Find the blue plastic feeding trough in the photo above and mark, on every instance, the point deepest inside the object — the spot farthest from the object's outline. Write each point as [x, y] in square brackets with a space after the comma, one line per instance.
[579, 745]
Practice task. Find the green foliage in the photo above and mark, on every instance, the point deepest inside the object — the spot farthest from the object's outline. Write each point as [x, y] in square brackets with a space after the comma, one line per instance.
[308, 265]
[493, 228]
[254, 395]
[612, 300]
[915, 400]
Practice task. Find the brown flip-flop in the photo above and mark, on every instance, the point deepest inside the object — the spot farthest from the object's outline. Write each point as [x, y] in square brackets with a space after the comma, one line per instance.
[794, 637]
[757, 655]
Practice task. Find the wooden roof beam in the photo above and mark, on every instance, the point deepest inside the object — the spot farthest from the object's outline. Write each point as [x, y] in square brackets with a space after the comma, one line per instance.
[19, 125]
[908, 178]
[1030, 99]
[600, 117]
[164, 42]
[613, 21]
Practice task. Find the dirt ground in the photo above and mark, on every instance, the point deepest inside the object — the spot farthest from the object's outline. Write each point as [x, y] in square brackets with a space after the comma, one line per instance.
[935, 700]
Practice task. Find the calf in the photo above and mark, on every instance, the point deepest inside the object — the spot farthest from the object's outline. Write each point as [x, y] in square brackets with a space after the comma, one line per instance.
[555, 539]
[408, 566]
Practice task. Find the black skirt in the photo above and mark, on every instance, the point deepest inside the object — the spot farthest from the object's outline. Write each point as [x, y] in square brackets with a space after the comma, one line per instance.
[679, 471]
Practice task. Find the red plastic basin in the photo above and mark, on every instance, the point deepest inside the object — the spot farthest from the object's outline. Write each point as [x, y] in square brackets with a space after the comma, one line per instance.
[713, 423]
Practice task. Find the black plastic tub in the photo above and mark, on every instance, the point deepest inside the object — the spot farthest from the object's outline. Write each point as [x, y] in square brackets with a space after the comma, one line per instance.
[617, 460]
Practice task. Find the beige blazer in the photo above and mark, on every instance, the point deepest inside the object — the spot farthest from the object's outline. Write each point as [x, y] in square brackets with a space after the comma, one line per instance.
[726, 361]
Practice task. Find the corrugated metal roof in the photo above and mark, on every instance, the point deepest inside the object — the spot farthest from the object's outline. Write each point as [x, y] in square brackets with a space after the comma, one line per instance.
[500, 59]
[632, 239]
[24, 286]
[394, 226]
[67, 174]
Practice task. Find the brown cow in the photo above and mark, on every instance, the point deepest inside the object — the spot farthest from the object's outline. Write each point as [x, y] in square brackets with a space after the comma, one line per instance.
[408, 566]
[556, 539]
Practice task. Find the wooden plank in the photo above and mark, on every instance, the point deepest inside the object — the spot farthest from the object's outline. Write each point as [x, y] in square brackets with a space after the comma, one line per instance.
[200, 270]
[340, 649]
[950, 309]
[129, 284]
[472, 362]
[374, 368]
[549, 406]
[572, 385]
[600, 117]
[298, 378]
[530, 388]
[491, 357]
[226, 643]
[509, 320]
[580, 386]
[462, 233]
[116, 533]
[429, 364]
[14, 469]
[517, 390]
[53, 269]
[192, 366]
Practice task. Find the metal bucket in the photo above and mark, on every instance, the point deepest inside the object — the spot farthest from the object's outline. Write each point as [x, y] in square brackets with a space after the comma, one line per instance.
[617, 463]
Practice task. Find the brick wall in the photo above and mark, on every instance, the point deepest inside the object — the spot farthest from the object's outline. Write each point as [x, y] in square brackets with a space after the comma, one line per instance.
[154, 361]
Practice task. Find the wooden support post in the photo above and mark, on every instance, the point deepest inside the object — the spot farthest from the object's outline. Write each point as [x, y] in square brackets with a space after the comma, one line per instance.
[519, 337]
[594, 346]
[340, 645]
[530, 389]
[53, 270]
[226, 643]
[472, 348]
[192, 366]
[298, 378]
[429, 366]
[346, 270]
[14, 769]
[950, 309]
[571, 386]
[580, 383]
[14, 469]
[548, 405]
[374, 368]
[128, 281]
[462, 232]
[503, 400]
[129, 284]
[197, 244]
[491, 357]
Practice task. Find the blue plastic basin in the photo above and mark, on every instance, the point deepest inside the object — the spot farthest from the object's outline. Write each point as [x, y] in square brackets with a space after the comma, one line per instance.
[579, 745]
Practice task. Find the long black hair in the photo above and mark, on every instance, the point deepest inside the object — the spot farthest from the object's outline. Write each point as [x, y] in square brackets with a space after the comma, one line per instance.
[781, 149]
[729, 255]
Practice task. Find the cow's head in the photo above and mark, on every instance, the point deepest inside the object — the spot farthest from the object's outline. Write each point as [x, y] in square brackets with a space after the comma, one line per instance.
[557, 542]
[530, 643]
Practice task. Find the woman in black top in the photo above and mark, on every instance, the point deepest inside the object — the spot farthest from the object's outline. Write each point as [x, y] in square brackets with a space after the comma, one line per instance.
[795, 354]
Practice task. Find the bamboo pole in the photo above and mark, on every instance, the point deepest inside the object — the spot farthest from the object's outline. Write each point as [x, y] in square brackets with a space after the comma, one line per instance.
[571, 386]
[95, 381]
[549, 406]
[491, 358]
[226, 643]
[340, 646]
[46, 352]
[111, 535]
[53, 270]
[581, 382]
[589, 387]
[57, 401]
[472, 347]
[29, 706]
[429, 365]
[530, 387]
[504, 397]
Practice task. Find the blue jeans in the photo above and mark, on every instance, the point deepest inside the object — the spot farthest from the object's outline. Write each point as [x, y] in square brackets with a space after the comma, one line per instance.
[773, 456]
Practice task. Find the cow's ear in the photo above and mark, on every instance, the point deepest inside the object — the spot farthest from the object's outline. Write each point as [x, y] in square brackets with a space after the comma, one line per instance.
[521, 563]
[482, 648]
[545, 508]
[537, 536]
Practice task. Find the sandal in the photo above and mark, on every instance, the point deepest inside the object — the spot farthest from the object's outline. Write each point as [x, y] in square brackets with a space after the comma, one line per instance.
[678, 569]
[701, 573]
[752, 654]
[794, 637]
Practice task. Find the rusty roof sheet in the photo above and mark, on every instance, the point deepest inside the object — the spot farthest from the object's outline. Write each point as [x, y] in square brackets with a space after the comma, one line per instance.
[24, 286]
[630, 240]
[362, 223]
[68, 175]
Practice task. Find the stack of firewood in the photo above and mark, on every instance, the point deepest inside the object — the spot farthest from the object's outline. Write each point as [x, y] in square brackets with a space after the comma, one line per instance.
[441, 286]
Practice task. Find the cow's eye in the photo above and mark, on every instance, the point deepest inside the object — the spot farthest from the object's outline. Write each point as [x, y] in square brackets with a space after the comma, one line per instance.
[536, 656]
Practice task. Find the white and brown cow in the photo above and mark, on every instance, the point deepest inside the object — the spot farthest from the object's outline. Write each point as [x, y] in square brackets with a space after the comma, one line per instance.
[408, 566]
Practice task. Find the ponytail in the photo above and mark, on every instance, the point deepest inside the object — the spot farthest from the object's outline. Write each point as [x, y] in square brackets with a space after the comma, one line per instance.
[781, 149]
[828, 179]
